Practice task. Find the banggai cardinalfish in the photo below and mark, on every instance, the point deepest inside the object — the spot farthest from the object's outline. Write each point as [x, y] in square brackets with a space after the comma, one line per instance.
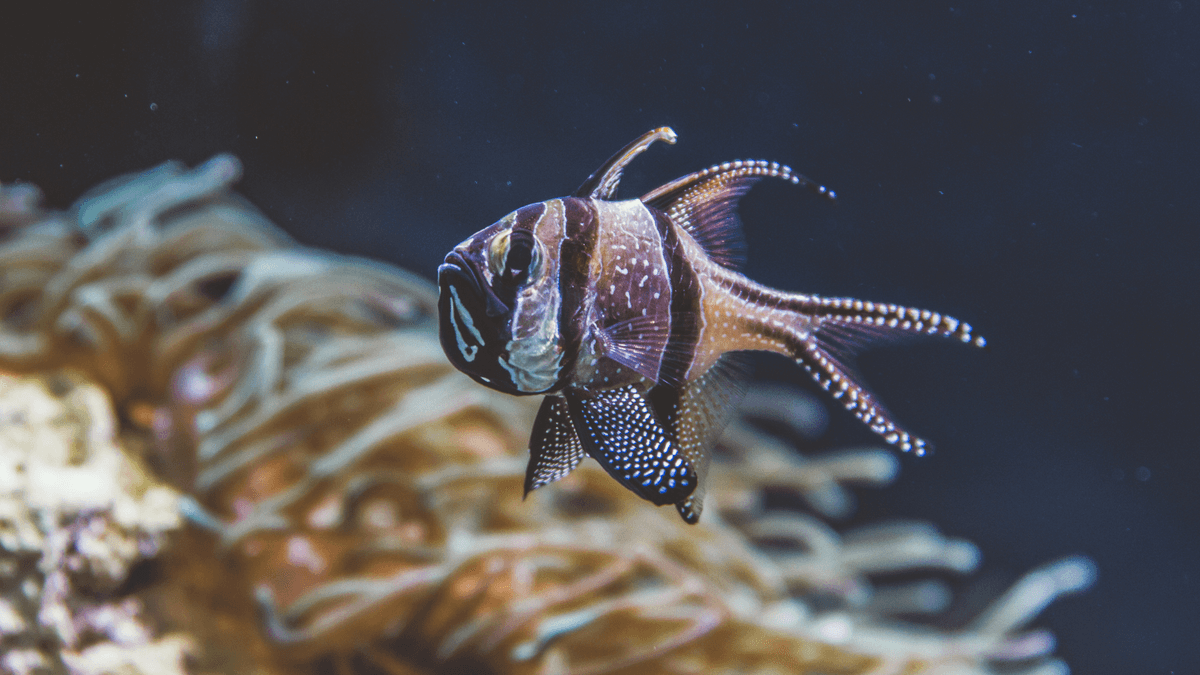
[623, 314]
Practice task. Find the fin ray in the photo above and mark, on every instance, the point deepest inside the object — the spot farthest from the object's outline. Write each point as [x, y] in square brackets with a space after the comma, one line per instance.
[696, 415]
[554, 447]
[603, 183]
[838, 376]
[705, 204]
[844, 327]
[643, 345]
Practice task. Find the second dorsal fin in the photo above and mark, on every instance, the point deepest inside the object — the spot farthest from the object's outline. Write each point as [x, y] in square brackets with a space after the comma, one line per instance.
[602, 184]
[705, 203]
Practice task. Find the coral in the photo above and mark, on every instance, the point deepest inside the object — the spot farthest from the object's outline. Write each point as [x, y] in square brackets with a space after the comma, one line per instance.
[77, 514]
[369, 498]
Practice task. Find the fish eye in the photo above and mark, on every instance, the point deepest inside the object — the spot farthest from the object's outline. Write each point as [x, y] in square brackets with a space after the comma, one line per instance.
[514, 257]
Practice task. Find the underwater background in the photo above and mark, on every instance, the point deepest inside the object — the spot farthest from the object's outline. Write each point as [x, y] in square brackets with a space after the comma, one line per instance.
[1028, 167]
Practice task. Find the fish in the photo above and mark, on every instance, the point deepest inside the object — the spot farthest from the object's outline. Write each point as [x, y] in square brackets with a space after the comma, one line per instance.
[628, 316]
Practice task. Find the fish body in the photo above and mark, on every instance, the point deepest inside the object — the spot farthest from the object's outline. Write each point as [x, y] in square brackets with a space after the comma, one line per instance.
[623, 313]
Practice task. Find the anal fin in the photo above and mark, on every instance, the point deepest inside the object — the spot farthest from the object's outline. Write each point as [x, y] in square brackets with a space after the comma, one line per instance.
[695, 415]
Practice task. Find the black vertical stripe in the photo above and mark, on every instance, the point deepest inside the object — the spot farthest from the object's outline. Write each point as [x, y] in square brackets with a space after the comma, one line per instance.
[686, 312]
[524, 220]
[574, 256]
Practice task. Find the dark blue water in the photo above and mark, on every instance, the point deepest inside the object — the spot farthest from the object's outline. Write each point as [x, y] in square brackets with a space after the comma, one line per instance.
[1030, 167]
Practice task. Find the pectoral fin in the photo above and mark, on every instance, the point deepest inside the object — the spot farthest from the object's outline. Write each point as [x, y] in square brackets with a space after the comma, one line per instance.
[643, 344]
[619, 429]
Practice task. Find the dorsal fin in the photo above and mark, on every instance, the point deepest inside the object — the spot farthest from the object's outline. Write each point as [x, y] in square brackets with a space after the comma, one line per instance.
[704, 203]
[602, 184]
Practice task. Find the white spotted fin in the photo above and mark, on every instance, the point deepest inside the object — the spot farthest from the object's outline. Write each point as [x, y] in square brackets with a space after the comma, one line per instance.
[554, 447]
[705, 204]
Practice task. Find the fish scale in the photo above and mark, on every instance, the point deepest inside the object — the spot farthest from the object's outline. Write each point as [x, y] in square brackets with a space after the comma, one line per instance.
[624, 313]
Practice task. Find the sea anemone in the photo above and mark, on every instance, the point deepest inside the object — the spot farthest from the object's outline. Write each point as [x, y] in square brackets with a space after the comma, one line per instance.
[366, 499]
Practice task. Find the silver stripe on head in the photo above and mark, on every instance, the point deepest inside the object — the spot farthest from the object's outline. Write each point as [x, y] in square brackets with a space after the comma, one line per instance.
[464, 317]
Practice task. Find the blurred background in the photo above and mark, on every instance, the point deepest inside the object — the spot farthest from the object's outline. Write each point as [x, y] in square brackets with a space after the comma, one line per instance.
[1029, 167]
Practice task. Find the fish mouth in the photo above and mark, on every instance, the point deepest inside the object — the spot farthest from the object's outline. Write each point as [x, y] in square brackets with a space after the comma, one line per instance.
[455, 268]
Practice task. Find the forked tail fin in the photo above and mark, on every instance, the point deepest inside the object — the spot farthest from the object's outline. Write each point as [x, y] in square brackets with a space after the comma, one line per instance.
[837, 329]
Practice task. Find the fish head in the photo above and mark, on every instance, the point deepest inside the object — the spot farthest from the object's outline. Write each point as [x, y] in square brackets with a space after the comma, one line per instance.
[499, 302]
